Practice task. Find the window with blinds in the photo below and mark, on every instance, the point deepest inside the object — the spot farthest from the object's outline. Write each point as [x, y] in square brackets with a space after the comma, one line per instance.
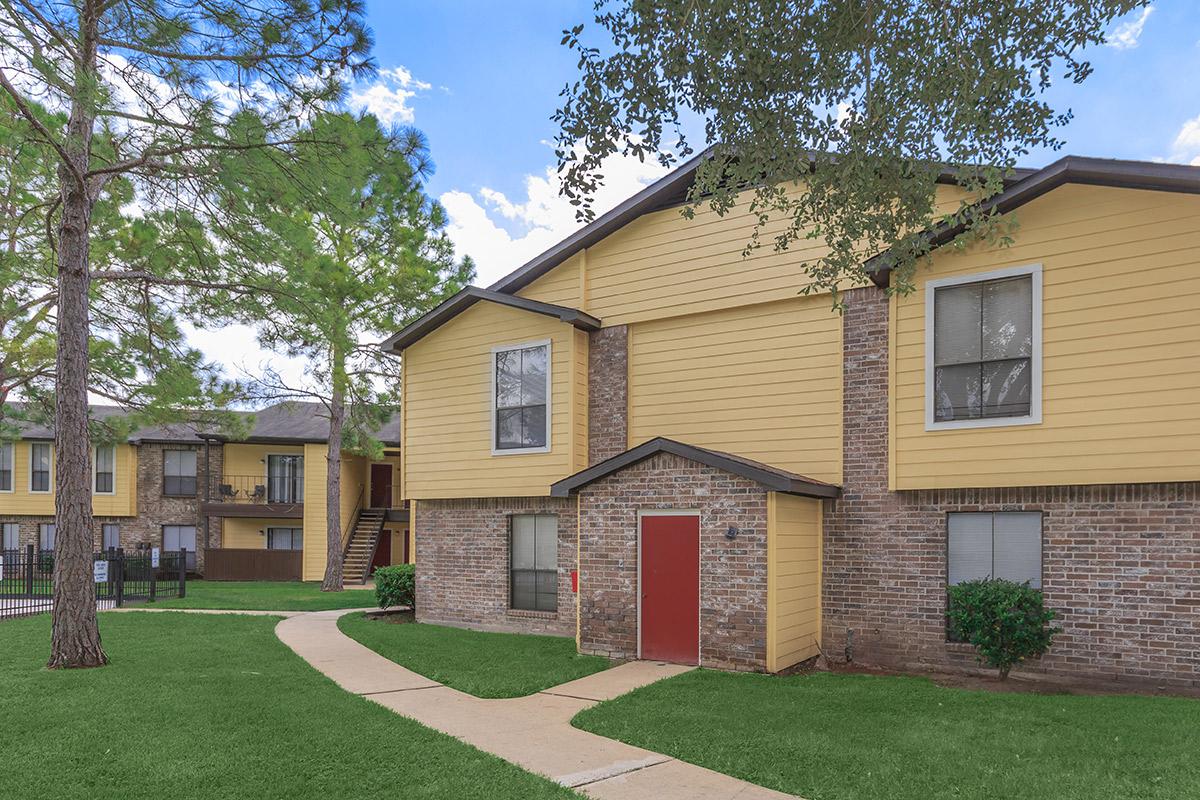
[6, 467]
[521, 398]
[104, 474]
[39, 467]
[533, 567]
[179, 473]
[995, 544]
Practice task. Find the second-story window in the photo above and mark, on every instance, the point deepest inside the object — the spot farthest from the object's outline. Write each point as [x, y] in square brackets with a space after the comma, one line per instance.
[521, 412]
[285, 479]
[103, 476]
[6, 467]
[179, 473]
[984, 350]
[39, 467]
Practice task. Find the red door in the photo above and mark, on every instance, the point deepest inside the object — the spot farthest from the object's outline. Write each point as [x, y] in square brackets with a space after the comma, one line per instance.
[670, 585]
[381, 486]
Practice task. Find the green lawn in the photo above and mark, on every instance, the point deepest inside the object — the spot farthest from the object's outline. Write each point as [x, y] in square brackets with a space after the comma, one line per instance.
[213, 708]
[858, 737]
[268, 596]
[482, 664]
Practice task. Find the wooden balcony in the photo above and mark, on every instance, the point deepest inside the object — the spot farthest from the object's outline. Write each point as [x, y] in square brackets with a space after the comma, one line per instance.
[256, 496]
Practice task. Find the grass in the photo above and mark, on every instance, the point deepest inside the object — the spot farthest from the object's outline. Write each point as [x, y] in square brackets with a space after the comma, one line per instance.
[216, 707]
[478, 663]
[267, 596]
[853, 737]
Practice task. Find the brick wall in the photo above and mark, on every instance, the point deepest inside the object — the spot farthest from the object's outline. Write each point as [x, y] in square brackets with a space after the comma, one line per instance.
[608, 393]
[153, 509]
[463, 558]
[733, 579]
[1121, 564]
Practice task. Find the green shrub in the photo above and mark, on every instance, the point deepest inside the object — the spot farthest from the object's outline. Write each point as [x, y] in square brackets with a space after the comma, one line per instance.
[1006, 622]
[394, 586]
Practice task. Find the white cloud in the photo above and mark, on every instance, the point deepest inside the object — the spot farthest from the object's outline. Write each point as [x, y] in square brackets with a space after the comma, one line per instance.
[1186, 146]
[542, 217]
[388, 98]
[1126, 35]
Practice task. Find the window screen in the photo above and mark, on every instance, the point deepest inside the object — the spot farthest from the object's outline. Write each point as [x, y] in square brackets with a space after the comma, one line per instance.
[39, 466]
[521, 419]
[983, 349]
[179, 473]
[6, 467]
[110, 534]
[1001, 544]
[46, 532]
[285, 538]
[106, 457]
[534, 562]
[10, 536]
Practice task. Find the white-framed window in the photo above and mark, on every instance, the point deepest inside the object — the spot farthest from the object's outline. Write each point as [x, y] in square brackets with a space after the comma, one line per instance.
[983, 349]
[110, 536]
[104, 469]
[995, 544]
[285, 538]
[40, 460]
[179, 473]
[10, 536]
[46, 533]
[533, 562]
[521, 398]
[6, 466]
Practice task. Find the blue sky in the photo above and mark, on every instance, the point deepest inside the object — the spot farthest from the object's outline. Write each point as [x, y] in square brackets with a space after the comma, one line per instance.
[481, 79]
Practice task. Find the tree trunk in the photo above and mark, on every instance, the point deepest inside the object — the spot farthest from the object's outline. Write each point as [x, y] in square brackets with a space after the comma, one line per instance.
[333, 493]
[75, 641]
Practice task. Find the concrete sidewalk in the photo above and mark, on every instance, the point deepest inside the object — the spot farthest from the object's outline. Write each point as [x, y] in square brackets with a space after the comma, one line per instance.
[533, 732]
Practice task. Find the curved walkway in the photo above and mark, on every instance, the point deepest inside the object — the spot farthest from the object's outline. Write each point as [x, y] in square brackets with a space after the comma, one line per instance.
[533, 732]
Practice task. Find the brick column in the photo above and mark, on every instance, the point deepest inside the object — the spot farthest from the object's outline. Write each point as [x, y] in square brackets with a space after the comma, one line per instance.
[608, 393]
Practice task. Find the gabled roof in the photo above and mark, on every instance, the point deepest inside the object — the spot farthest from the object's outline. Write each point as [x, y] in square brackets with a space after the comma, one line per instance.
[770, 477]
[1069, 169]
[453, 306]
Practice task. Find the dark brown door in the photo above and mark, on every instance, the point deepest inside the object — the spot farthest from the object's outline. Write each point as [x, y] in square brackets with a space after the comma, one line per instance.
[381, 486]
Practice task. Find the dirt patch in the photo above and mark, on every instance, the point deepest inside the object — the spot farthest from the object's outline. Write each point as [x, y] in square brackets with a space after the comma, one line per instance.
[397, 616]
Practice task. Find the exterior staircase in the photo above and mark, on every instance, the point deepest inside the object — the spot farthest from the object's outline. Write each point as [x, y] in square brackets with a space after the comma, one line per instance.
[360, 547]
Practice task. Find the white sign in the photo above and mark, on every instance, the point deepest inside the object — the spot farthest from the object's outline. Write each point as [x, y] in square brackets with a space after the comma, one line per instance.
[1, 568]
[154, 557]
[100, 571]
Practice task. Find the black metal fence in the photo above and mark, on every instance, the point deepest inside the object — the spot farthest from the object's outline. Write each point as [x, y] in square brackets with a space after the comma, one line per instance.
[120, 577]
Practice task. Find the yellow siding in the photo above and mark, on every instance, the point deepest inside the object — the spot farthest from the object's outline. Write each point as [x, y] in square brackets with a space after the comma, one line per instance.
[1121, 350]
[250, 460]
[22, 501]
[793, 580]
[762, 382]
[354, 479]
[664, 265]
[447, 421]
[250, 534]
[579, 401]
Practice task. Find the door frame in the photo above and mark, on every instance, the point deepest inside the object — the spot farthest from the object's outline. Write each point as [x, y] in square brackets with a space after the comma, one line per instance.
[672, 512]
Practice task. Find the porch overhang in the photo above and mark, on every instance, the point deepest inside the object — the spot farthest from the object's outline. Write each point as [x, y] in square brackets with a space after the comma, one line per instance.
[771, 478]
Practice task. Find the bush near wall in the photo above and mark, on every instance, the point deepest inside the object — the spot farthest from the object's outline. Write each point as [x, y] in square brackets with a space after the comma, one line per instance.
[394, 586]
[1006, 622]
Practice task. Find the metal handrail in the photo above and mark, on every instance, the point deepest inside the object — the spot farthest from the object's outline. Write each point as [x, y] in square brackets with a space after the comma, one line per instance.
[348, 533]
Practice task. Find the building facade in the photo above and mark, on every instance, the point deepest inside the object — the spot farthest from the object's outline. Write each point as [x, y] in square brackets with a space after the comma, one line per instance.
[648, 441]
[246, 509]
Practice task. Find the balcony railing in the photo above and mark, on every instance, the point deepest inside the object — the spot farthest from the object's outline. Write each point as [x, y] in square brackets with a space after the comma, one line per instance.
[256, 489]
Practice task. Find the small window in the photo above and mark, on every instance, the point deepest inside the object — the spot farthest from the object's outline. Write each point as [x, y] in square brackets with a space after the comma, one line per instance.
[105, 469]
[521, 414]
[179, 473]
[46, 532]
[10, 536]
[285, 538]
[6, 467]
[39, 467]
[179, 537]
[1001, 544]
[984, 350]
[534, 562]
[110, 536]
